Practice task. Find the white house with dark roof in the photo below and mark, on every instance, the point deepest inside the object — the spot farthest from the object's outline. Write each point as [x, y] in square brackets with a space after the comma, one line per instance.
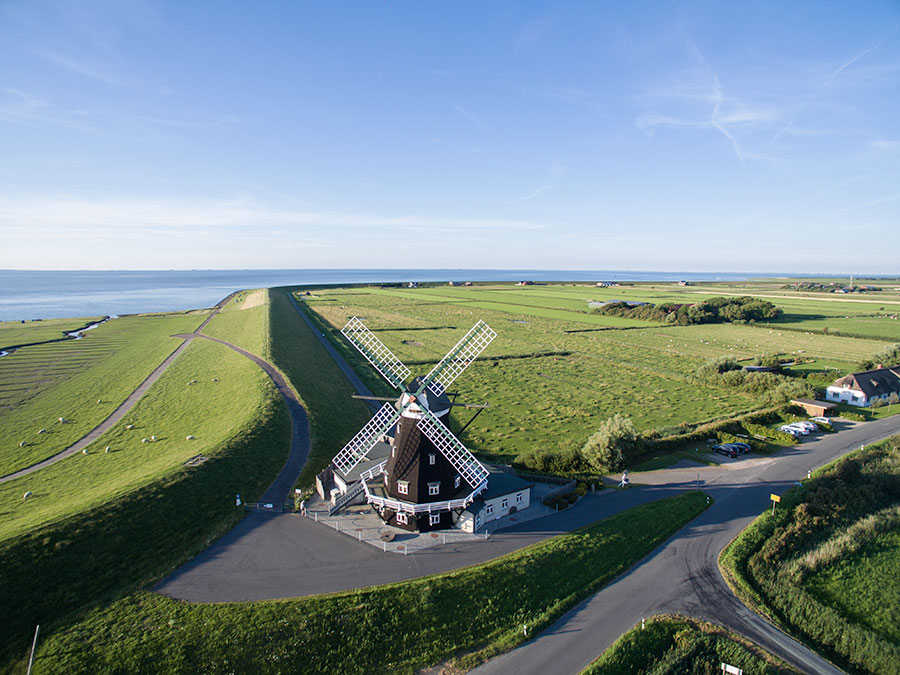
[861, 389]
[506, 493]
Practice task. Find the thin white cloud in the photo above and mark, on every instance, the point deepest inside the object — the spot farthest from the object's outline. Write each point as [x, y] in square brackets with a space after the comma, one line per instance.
[66, 214]
[865, 205]
[473, 119]
[82, 67]
[534, 194]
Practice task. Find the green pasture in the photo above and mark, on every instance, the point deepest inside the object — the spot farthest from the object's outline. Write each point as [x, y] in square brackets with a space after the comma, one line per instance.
[229, 390]
[42, 383]
[550, 381]
[17, 332]
[246, 328]
[400, 628]
[671, 645]
[823, 564]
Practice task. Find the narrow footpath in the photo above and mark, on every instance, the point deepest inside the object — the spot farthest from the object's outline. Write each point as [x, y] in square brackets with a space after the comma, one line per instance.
[120, 411]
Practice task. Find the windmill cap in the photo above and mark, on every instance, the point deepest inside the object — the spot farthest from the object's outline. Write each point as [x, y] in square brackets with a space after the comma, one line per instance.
[438, 405]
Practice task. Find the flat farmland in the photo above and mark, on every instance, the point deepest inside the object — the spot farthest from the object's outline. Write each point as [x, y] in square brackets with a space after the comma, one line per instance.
[82, 381]
[552, 374]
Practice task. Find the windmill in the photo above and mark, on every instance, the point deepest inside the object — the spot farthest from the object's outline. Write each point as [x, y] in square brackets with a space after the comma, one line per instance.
[428, 473]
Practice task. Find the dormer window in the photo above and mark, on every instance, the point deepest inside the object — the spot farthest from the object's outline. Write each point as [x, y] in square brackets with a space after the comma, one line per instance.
[432, 458]
[456, 482]
[403, 487]
[434, 488]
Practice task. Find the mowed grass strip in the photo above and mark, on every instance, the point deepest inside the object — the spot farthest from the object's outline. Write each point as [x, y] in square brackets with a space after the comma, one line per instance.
[244, 325]
[471, 614]
[671, 645]
[66, 379]
[210, 411]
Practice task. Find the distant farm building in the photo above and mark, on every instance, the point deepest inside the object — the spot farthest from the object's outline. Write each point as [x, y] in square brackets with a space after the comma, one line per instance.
[862, 389]
[815, 408]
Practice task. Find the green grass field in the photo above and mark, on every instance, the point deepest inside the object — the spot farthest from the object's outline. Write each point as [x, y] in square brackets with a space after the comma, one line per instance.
[244, 321]
[671, 645]
[17, 332]
[42, 383]
[467, 615]
[823, 565]
[552, 375]
[211, 411]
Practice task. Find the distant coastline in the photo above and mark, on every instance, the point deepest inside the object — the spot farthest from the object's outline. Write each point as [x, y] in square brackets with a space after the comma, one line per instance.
[62, 294]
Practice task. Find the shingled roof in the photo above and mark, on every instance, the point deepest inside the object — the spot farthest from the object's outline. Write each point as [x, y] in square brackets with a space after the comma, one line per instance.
[873, 382]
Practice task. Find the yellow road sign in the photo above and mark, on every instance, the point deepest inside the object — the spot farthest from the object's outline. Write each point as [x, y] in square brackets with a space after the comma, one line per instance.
[775, 498]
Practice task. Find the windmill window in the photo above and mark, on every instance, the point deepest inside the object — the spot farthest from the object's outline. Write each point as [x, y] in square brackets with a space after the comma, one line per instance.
[489, 509]
[434, 518]
[504, 503]
[402, 518]
[403, 487]
[456, 481]
[519, 498]
[434, 488]
[431, 458]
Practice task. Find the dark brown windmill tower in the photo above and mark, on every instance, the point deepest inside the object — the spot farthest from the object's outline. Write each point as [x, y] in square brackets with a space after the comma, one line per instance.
[428, 476]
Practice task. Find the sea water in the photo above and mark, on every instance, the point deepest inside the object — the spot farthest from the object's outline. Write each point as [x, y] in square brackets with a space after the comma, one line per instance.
[26, 295]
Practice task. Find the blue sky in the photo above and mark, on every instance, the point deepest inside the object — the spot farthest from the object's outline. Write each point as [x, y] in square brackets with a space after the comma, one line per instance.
[695, 136]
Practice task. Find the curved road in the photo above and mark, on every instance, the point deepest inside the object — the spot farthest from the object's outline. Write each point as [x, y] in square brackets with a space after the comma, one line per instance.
[682, 576]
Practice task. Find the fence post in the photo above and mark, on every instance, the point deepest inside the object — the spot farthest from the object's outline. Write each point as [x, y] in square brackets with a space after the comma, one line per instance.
[37, 629]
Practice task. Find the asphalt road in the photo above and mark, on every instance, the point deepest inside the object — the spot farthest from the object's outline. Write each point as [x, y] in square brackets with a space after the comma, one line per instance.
[682, 575]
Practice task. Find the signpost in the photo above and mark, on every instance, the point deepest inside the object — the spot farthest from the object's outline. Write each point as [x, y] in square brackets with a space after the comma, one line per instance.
[732, 670]
[775, 499]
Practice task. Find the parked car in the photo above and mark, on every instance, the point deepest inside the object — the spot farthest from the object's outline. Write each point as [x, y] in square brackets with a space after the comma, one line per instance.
[821, 420]
[809, 426]
[802, 429]
[725, 450]
[741, 447]
[790, 430]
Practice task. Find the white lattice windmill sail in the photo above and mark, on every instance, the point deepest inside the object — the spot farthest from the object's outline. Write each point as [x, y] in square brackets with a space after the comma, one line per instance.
[458, 359]
[472, 471]
[360, 445]
[375, 351]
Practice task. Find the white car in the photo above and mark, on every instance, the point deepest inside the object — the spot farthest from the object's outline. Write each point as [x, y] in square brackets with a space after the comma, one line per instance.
[821, 420]
[799, 427]
[790, 430]
[809, 426]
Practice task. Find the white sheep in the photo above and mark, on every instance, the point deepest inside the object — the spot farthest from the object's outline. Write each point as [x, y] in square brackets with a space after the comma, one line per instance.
[84, 452]
[190, 437]
[62, 420]
[153, 438]
[42, 431]
[26, 495]
[145, 440]
[129, 426]
[99, 401]
[107, 449]
[22, 444]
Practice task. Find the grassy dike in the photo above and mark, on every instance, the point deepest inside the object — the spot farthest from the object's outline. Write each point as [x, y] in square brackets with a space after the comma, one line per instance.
[668, 645]
[824, 565]
[470, 614]
[334, 417]
[153, 518]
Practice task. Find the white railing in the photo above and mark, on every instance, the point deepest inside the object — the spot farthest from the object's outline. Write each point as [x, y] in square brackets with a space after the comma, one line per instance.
[376, 470]
[345, 498]
[428, 507]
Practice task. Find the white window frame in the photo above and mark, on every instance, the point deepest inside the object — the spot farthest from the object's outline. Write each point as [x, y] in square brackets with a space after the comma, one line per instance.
[505, 503]
[488, 509]
[519, 498]
[402, 518]
[457, 481]
[432, 458]
[434, 488]
[403, 487]
[434, 518]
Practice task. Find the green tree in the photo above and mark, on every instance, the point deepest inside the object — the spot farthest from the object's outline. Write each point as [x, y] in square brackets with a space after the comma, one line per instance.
[607, 448]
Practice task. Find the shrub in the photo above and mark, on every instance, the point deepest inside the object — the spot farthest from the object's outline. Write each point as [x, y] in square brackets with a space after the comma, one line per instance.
[855, 417]
[571, 497]
[544, 460]
[886, 357]
[581, 489]
[608, 447]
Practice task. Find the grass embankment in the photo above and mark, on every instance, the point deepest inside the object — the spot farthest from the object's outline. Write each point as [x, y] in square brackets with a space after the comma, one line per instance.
[122, 520]
[42, 383]
[395, 628]
[244, 321]
[824, 565]
[334, 417]
[228, 391]
[670, 645]
[18, 332]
